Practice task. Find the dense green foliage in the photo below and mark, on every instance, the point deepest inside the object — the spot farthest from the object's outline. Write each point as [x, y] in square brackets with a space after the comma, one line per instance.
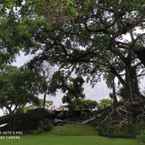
[33, 121]
[17, 88]
[104, 103]
[141, 137]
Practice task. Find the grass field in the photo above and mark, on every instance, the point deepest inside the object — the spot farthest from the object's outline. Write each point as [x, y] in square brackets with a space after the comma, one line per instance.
[69, 135]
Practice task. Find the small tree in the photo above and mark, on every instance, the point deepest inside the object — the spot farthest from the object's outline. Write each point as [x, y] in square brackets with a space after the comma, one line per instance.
[87, 105]
[18, 87]
[104, 103]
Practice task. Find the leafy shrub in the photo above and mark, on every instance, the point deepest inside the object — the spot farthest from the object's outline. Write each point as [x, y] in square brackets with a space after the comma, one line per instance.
[45, 125]
[104, 103]
[141, 136]
[115, 130]
[34, 120]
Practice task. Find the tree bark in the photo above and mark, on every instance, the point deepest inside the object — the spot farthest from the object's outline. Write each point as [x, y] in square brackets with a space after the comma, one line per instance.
[115, 101]
[44, 100]
[141, 55]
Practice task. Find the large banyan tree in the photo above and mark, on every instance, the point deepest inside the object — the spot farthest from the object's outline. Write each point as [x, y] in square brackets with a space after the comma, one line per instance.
[86, 38]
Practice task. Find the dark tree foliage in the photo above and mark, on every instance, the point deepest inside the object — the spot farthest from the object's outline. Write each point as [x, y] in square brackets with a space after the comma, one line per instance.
[71, 87]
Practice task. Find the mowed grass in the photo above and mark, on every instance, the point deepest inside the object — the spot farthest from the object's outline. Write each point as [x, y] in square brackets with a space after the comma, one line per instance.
[74, 130]
[69, 135]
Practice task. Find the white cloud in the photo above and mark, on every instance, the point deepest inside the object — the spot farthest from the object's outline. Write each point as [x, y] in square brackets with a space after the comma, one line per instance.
[98, 92]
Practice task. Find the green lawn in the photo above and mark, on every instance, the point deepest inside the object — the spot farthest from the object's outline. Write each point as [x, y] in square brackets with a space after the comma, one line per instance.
[74, 130]
[68, 140]
[69, 135]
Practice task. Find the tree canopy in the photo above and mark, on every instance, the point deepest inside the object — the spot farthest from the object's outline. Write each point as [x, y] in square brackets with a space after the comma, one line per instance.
[18, 87]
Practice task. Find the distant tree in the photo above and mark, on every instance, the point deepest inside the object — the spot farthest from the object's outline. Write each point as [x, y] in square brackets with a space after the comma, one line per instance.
[104, 103]
[74, 93]
[72, 88]
[48, 105]
[87, 105]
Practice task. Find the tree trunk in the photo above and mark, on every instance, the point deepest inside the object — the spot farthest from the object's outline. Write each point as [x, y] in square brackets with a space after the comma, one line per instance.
[141, 55]
[129, 83]
[132, 83]
[114, 97]
[44, 100]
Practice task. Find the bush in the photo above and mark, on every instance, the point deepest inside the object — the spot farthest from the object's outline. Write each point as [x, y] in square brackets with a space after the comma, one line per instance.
[34, 120]
[141, 137]
[115, 130]
[45, 125]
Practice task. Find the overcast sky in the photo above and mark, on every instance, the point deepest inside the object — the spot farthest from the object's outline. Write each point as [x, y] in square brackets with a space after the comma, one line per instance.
[98, 92]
